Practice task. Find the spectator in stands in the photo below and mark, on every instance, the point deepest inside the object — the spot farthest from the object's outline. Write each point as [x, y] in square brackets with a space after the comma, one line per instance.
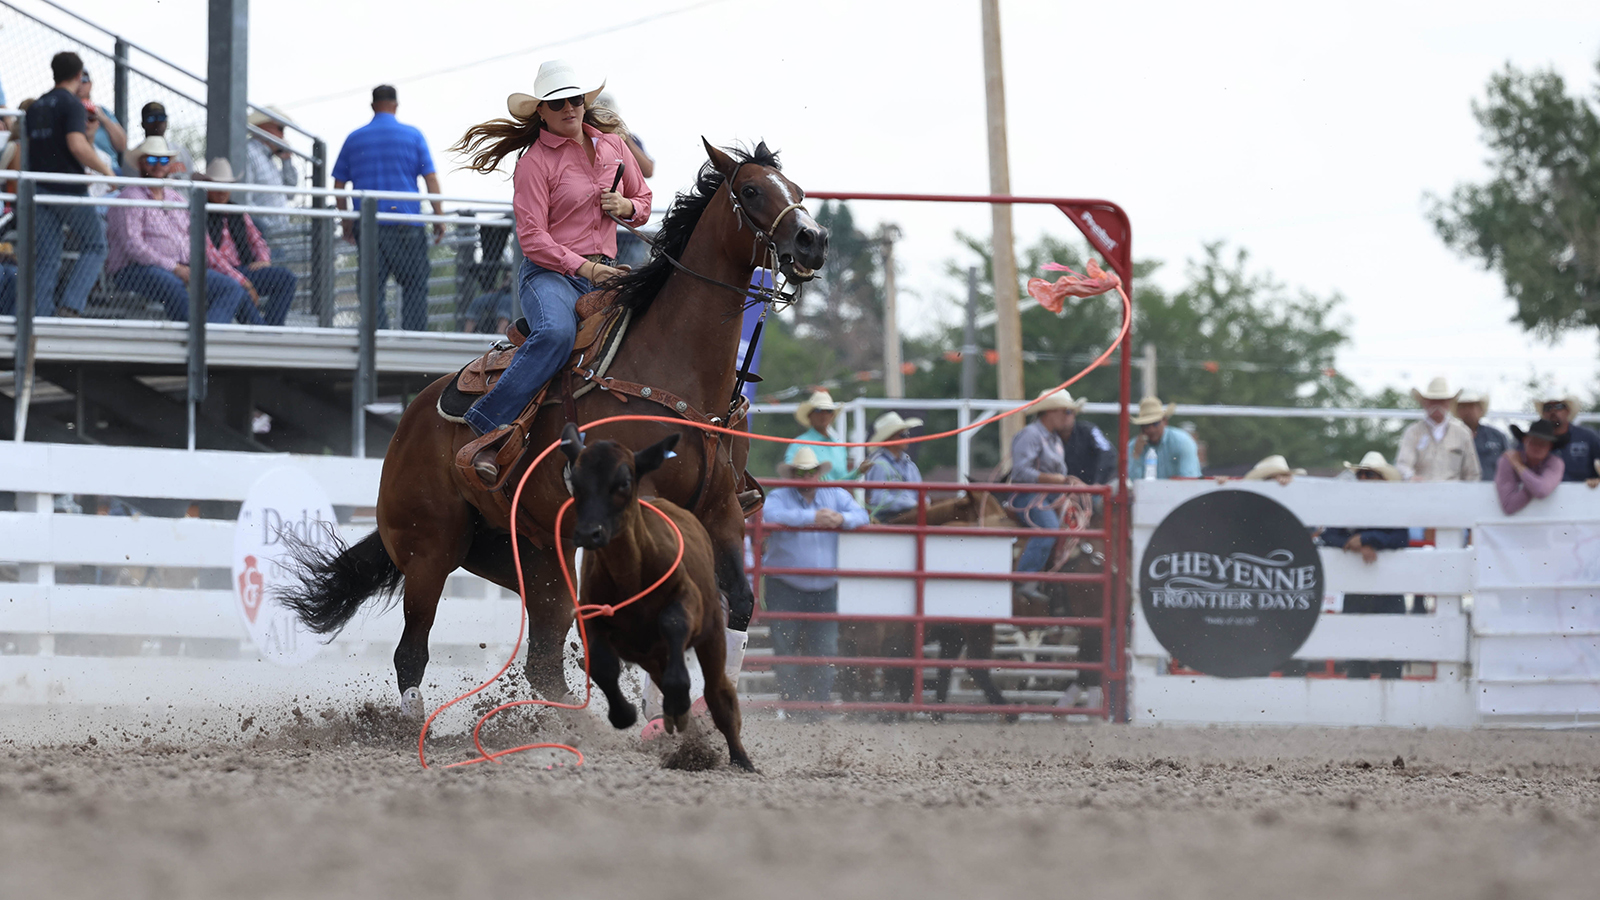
[1580, 447]
[1440, 447]
[1037, 457]
[1367, 542]
[806, 507]
[1274, 468]
[111, 139]
[1490, 442]
[150, 247]
[93, 130]
[817, 413]
[1532, 470]
[153, 118]
[235, 247]
[59, 143]
[268, 163]
[492, 312]
[631, 251]
[891, 463]
[8, 288]
[384, 155]
[1087, 451]
[1177, 455]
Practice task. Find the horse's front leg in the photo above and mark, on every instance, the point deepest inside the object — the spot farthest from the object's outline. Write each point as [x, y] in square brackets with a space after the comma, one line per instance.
[725, 524]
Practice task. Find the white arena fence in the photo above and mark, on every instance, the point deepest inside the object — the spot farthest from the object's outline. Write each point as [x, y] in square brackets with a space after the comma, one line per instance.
[141, 610]
[1513, 636]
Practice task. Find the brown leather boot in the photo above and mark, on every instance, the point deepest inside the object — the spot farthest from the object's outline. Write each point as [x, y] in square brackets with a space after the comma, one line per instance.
[483, 462]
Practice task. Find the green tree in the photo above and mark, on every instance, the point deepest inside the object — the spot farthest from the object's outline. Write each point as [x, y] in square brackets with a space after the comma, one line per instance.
[1536, 221]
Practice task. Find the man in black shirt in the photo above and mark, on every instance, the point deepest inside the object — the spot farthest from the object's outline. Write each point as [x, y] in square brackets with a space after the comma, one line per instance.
[1086, 449]
[58, 142]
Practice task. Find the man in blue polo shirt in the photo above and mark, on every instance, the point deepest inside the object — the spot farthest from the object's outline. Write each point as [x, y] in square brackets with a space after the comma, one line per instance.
[1176, 455]
[384, 155]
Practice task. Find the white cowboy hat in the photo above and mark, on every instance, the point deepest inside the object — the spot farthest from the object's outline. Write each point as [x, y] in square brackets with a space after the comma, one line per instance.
[818, 400]
[268, 115]
[152, 146]
[1374, 462]
[890, 424]
[805, 460]
[1061, 399]
[219, 170]
[1473, 397]
[1271, 467]
[1437, 389]
[557, 80]
[1151, 411]
[1572, 403]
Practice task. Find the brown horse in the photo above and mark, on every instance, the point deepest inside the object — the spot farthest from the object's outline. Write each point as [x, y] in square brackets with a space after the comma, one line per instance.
[626, 551]
[683, 339]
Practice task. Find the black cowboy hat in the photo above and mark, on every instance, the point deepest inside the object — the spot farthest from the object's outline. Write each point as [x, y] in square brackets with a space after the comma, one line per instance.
[1544, 429]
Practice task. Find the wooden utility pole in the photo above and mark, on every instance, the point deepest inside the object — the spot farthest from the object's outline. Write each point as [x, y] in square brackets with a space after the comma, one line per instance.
[1008, 324]
[894, 384]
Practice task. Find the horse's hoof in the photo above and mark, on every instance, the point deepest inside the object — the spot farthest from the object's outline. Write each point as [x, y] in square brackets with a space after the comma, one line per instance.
[411, 705]
[743, 762]
[677, 724]
[653, 729]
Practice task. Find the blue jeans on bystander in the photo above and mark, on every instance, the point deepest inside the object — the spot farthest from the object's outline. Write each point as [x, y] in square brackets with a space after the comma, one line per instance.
[88, 236]
[803, 638]
[225, 299]
[275, 285]
[1036, 555]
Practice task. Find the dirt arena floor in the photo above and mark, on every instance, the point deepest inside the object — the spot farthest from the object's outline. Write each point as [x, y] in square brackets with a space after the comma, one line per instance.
[338, 807]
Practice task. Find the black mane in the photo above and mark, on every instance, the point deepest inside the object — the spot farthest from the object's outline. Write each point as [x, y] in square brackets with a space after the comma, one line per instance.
[636, 289]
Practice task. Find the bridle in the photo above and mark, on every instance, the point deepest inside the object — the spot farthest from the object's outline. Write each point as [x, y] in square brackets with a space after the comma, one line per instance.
[781, 292]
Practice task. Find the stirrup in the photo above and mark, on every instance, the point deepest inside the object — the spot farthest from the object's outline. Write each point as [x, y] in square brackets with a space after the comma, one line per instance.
[484, 465]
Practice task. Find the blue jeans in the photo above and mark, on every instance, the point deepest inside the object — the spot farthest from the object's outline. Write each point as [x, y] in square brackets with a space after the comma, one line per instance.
[8, 289]
[225, 299]
[89, 234]
[275, 285]
[403, 253]
[1036, 555]
[803, 638]
[548, 301]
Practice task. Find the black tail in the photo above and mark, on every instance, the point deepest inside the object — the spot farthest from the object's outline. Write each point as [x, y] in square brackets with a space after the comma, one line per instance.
[334, 583]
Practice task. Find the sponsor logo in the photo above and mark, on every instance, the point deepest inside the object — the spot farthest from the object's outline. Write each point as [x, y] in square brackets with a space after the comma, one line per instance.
[285, 505]
[1105, 239]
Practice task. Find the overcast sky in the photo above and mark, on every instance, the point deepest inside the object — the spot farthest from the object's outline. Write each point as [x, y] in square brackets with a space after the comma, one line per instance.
[1308, 134]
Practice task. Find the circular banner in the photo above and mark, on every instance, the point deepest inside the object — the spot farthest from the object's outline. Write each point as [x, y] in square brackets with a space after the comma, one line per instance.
[283, 502]
[1231, 584]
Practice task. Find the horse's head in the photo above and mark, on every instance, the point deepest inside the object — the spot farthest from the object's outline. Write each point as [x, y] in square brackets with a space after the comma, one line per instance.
[769, 205]
[605, 484]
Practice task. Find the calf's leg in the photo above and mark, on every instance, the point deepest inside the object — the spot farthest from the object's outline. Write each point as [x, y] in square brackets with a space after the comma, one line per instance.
[605, 669]
[674, 626]
[721, 699]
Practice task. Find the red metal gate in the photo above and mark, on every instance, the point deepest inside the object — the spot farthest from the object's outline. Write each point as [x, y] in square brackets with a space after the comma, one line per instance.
[1106, 227]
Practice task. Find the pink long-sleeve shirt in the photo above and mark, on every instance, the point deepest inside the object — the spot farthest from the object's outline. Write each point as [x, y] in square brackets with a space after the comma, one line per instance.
[1517, 489]
[225, 259]
[556, 195]
[146, 236]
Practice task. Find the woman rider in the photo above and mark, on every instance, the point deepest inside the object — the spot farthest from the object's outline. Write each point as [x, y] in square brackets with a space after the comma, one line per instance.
[569, 156]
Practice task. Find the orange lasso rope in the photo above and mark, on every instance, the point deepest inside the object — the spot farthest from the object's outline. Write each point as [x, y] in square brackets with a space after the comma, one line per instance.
[584, 613]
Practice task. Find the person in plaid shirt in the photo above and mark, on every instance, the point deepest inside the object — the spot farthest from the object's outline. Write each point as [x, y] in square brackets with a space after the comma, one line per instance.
[149, 252]
[235, 247]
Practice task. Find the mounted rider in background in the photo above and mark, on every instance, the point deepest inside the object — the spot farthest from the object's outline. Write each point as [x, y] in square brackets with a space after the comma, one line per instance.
[570, 157]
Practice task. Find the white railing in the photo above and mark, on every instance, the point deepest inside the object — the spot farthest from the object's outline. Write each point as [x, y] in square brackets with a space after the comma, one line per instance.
[1518, 654]
[166, 631]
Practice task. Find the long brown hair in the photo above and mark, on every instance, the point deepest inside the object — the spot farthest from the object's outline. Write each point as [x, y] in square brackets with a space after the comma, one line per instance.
[487, 143]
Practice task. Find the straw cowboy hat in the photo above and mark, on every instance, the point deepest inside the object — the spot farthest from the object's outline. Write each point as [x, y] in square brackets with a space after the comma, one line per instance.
[1271, 467]
[268, 115]
[1437, 389]
[219, 170]
[557, 80]
[1374, 462]
[1151, 411]
[1061, 399]
[152, 146]
[805, 461]
[819, 400]
[1572, 403]
[890, 424]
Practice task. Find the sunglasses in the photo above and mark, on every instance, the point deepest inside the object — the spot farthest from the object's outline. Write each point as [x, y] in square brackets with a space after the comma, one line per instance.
[559, 105]
[158, 160]
[1552, 407]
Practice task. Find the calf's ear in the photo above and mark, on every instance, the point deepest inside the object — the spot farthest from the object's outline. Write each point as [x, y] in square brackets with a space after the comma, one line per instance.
[571, 442]
[650, 458]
